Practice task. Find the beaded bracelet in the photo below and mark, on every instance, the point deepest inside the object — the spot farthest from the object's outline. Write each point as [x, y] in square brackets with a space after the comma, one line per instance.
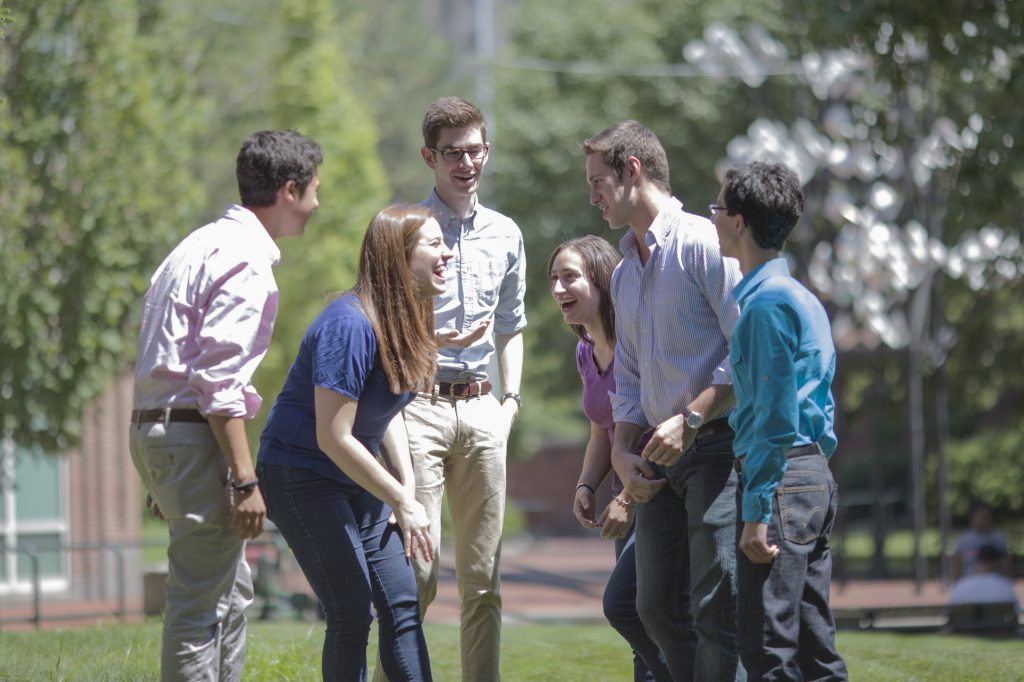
[623, 503]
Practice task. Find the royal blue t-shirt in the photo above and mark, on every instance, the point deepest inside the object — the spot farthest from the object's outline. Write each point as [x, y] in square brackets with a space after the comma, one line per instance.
[338, 352]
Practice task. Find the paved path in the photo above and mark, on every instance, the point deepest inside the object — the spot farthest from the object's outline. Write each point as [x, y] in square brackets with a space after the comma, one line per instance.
[563, 579]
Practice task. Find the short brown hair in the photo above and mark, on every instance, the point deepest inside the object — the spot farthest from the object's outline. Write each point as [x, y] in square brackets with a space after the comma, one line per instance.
[628, 138]
[450, 112]
[402, 322]
[599, 261]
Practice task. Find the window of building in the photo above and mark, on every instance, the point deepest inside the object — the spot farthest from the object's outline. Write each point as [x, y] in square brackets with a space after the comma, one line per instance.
[33, 520]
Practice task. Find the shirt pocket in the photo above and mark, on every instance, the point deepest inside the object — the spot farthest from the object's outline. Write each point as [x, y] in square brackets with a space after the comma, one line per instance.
[487, 275]
[802, 512]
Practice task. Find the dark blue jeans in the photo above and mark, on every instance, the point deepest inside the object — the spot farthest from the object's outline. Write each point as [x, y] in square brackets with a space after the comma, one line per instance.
[351, 557]
[620, 610]
[786, 629]
[686, 560]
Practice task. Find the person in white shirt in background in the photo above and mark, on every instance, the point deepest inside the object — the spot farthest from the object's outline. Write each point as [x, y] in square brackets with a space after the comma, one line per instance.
[206, 324]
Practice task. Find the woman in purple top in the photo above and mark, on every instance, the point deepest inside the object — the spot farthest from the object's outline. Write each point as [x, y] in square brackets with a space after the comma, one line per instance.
[326, 491]
[580, 272]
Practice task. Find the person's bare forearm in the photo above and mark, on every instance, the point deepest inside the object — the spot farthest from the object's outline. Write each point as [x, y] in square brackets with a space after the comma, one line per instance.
[395, 448]
[509, 348]
[234, 446]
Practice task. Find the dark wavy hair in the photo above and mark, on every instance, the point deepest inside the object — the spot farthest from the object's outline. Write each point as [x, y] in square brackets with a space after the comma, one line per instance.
[768, 196]
[270, 158]
[618, 142]
[599, 260]
[402, 321]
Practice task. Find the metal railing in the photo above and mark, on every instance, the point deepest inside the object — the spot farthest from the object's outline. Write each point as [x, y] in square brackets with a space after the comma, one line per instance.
[37, 616]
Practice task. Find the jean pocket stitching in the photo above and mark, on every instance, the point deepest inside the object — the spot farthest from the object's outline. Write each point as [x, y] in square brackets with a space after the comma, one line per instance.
[796, 525]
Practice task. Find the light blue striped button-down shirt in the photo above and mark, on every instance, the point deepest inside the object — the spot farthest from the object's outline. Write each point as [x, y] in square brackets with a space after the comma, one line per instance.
[485, 279]
[673, 317]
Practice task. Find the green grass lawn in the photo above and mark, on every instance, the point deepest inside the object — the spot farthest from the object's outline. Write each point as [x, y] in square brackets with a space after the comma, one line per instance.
[290, 651]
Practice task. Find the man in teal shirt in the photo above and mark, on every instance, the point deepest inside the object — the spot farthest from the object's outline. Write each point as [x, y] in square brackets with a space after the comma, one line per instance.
[783, 361]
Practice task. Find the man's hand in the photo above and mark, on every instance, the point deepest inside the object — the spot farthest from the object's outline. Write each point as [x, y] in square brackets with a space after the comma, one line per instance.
[250, 513]
[452, 337]
[669, 441]
[638, 477]
[754, 543]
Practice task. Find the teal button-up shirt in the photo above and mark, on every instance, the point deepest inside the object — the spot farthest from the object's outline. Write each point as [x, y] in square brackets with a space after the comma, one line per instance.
[783, 361]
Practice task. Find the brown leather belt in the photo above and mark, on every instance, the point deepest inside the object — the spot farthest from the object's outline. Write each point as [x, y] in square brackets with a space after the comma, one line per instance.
[172, 415]
[463, 389]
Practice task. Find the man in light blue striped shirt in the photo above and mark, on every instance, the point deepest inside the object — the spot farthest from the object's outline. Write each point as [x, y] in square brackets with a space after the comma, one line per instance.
[783, 362]
[674, 314]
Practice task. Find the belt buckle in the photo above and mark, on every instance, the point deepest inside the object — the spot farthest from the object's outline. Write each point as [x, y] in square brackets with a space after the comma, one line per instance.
[451, 389]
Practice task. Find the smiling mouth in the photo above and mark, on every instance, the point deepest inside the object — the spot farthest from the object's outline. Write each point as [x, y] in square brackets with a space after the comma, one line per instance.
[566, 305]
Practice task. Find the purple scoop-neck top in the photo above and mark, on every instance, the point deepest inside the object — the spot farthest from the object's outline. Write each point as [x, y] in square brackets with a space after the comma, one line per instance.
[597, 406]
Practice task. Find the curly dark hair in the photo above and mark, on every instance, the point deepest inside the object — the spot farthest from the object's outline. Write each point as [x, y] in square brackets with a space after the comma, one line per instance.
[768, 196]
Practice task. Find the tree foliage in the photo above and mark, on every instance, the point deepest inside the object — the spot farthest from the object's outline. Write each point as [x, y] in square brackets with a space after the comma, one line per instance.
[571, 70]
[120, 124]
[96, 123]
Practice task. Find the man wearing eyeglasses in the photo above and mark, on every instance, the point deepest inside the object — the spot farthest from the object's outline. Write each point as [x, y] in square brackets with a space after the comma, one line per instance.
[783, 363]
[674, 312]
[458, 430]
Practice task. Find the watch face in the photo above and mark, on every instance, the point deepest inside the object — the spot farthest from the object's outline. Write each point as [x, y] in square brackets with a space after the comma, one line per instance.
[694, 420]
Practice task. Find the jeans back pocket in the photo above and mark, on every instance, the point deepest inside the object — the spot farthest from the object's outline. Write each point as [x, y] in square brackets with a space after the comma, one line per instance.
[802, 511]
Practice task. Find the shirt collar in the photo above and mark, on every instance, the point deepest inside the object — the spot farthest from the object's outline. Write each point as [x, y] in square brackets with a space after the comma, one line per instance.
[659, 229]
[262, 240]
[753, 279]
[446, 215]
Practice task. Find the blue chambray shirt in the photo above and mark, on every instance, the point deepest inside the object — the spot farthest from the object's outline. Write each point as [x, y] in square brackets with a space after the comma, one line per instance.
[486, 278]
[783, 361]
[673, 317]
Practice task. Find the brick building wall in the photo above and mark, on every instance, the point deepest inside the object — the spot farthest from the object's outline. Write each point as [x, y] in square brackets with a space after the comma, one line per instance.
[104, 500]
[544, 487]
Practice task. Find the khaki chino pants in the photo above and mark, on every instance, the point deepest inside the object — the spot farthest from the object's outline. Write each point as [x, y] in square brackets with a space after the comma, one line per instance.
[460, 445]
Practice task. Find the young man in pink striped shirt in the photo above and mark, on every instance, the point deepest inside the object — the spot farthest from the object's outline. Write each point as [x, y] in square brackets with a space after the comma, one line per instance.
[206, 325]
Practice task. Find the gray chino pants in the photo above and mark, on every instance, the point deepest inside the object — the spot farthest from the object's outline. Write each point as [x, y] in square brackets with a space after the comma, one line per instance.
[209, 585]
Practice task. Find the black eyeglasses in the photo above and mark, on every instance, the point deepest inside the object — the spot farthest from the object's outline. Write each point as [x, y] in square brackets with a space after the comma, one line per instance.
[476, 152]
[715, 209]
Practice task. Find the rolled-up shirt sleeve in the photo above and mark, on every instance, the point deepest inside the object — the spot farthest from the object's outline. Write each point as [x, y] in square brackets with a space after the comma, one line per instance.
[510, 312]
[235, 328]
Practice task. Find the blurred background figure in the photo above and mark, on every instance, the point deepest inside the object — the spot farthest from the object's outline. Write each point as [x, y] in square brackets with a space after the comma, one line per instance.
[987, 584]
[979, 534]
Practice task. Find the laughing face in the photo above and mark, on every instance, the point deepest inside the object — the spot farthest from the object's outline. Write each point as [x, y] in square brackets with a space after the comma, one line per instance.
[429, 259]
[457, 179]
[578, 298]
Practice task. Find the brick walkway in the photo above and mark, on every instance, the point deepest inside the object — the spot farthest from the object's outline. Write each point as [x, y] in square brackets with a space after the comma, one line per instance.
[546, 579]
[563, 579]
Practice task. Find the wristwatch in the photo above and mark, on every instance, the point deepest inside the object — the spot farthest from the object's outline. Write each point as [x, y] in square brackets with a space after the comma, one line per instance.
[694, 420]
[512, 396]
